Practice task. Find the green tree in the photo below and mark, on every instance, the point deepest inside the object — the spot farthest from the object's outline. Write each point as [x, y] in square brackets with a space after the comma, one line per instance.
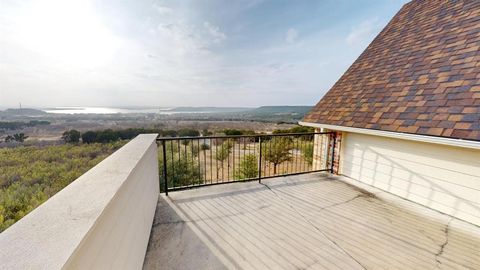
[182, 169]
[9, 138]
[206, 132]
[71, 136]
[296, 129]
[168, 133]
[248, 167]
[222, 153]
[195, 149]
[204, 147]
[89, 137]
[18, 137]
[232, 132]
[307, 152]
[188, 132]
[277, 151]
[107, 136]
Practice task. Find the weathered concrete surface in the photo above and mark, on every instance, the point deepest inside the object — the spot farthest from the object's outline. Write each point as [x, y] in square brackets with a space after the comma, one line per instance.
[312, 221]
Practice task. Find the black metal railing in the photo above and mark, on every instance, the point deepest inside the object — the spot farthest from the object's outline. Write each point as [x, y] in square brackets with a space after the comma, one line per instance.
[187, 162]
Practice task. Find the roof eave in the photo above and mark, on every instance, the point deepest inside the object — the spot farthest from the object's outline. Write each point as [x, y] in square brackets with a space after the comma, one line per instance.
[400, 135]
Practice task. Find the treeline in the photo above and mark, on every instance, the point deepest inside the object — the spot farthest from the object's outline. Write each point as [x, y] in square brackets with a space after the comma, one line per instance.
[110, 135]
[19, 125]
[297, 129]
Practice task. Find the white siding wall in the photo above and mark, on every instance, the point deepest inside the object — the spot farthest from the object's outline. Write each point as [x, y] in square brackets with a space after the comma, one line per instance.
[443, 178]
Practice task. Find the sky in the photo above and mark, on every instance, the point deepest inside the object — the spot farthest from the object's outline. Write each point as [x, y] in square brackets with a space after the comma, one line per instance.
[181, 53]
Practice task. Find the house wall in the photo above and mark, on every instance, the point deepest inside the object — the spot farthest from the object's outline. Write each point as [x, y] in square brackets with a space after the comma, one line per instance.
[102, 220]
[444, 178]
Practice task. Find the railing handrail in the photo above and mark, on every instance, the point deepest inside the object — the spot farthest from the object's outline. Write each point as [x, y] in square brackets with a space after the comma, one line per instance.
[241, 136]
[296, 161]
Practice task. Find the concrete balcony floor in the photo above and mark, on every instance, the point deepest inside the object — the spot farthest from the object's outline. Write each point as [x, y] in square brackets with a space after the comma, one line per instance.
[311, 221]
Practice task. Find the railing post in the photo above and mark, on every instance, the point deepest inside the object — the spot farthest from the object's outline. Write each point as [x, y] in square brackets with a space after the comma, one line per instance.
[165, 182]
[334, 135]
[260, 160]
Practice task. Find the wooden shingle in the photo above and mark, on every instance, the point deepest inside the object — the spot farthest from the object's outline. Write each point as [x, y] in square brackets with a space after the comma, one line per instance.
[420, 75]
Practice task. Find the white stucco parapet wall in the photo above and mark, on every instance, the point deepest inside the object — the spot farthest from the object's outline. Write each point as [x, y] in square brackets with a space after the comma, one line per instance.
[102, 220]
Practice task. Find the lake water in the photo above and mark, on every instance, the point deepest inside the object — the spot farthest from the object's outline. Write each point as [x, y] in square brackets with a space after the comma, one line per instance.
[114, 110]
[106, 110]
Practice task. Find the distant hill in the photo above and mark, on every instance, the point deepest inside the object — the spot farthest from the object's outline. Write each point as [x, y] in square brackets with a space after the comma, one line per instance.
[259, 110]
[285, 114]
[209, 109]
[22, 112]
[283, 109]
[288, 114]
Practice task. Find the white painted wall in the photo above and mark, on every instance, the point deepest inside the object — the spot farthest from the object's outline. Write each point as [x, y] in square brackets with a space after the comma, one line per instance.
[444, 178]
[100, 221]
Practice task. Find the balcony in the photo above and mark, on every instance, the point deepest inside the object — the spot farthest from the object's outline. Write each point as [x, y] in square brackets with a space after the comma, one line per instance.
[310, 221]
[296, 215]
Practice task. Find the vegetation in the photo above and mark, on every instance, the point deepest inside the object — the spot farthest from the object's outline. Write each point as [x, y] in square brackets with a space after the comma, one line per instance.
[109, 135]
[307, 152]
[236, 132]
[89, 137]
[278, 151]
[286, 114]
[182, 168]
[71, 136]
[297, 129]
[283, 109]
[248, 167]
[273, 114]
[206, 132]
[18, 137]
[30, 175]
[20, 125]
[204, 147]
[22, 112]
[222, 153]
[188, 132]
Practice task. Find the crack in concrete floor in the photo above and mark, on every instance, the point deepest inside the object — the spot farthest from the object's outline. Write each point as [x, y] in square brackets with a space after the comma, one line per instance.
[444, 244]
[314, 226]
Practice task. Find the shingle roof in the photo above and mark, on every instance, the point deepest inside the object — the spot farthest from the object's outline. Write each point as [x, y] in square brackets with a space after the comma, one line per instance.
[420, 75]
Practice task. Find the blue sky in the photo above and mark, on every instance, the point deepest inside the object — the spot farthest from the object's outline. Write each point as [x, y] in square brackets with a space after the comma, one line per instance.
[181, 53]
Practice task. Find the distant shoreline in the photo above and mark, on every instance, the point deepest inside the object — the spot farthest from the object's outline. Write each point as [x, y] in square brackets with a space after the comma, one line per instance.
[124, 110]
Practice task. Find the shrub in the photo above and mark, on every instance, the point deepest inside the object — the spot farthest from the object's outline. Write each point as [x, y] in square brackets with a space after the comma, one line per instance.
[30, 175]
[89, 137]
[71, 136]
[248, 167]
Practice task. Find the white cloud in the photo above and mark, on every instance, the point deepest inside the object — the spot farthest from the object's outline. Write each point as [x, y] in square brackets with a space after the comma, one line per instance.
[217, 35]
[363, 33]
[291, 35]
[140, 53]
[163, 10]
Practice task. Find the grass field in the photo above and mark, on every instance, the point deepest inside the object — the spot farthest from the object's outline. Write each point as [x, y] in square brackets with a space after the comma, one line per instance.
[31, 175]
